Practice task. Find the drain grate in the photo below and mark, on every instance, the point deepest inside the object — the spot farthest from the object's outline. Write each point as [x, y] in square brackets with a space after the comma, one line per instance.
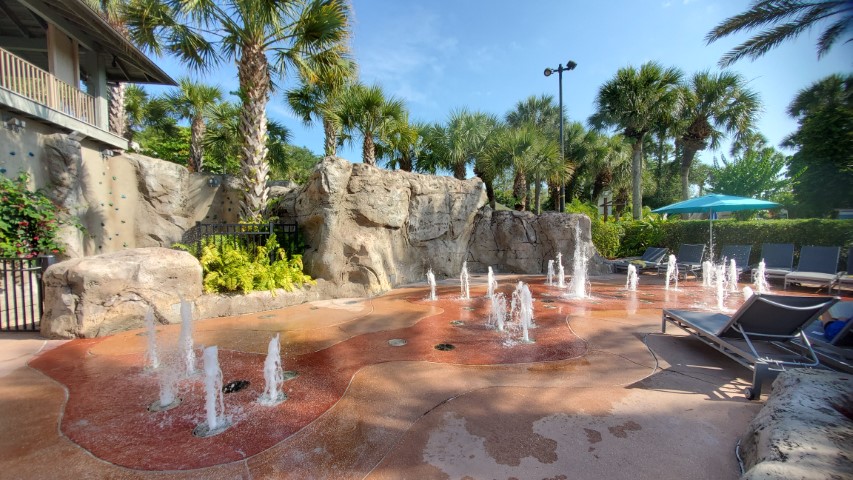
[235, 386]
[397, 342]
[457, 323]
[445, 347]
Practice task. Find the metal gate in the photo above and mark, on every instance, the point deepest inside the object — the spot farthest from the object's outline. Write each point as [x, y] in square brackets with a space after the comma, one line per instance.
[21, 292]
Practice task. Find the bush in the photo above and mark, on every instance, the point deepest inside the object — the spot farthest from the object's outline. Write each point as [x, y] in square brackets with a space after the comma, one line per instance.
[29, 221]
[671, 234]
[230, 266]
[605, 237]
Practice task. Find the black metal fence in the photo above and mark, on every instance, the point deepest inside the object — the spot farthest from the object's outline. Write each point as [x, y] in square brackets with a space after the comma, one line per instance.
[22, 292]
[248, 234]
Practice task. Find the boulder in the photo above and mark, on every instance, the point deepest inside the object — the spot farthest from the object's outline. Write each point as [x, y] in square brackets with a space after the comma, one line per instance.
[804, 431]
[377, 228]
[523, 242]
[162, 216]
[103, 294]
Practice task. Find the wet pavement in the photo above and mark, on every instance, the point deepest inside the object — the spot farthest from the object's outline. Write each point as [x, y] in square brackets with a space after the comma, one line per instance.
[600, 393]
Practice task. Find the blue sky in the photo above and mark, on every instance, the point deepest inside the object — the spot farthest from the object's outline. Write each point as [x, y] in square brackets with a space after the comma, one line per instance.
[487, 55]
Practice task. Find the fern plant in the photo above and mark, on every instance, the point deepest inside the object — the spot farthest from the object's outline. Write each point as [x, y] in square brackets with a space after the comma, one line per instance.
[231, 266]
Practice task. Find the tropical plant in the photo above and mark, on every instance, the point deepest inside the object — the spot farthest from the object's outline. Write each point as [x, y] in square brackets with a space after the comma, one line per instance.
[824, 139]
[784, 20]
[265, 38]
[544, 115]
[712, 105]
[319, 94]
[29, 221]
[366, 112]
[193, 101]
[637, 101]
[402, 145]
[221, 140]
[229, 266]
[461, 141]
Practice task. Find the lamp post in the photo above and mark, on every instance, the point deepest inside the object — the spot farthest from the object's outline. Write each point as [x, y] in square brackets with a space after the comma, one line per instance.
[570, 65]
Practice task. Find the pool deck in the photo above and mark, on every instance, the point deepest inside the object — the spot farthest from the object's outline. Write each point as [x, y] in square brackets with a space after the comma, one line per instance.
[601, 393]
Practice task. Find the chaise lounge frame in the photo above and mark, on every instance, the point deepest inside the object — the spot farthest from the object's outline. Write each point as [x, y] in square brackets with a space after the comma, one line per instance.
[755, 336]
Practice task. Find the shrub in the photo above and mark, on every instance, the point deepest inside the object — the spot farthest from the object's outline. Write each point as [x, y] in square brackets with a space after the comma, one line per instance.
[605, 237]
[29, 221]
[230, 266]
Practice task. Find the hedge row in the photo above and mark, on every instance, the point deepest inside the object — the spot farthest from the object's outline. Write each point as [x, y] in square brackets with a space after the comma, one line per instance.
[671, 234]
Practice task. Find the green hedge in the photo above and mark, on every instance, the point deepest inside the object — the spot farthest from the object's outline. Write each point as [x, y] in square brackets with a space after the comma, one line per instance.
[605, 237]
[671, 234]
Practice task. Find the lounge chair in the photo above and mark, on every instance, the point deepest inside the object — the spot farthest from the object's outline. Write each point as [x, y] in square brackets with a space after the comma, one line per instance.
[778, 259]
[738, 253]
[845, 279]
[817, 266]
[836, 353]
[651, 259]
[756, 334]
[688, 258]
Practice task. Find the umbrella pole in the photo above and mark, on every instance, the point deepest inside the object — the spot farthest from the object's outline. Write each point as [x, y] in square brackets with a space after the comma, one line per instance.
[711, 232]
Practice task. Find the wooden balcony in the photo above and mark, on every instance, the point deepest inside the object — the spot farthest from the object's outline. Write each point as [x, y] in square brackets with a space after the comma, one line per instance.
[29, 81]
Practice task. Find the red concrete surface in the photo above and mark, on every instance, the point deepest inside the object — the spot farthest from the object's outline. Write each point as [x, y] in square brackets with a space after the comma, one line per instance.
[362, 408]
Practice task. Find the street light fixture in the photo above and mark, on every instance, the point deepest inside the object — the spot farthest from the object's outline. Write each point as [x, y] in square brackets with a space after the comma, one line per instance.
[570, 65]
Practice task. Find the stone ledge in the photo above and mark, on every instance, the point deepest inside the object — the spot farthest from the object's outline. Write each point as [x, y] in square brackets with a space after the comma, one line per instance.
[804, 431]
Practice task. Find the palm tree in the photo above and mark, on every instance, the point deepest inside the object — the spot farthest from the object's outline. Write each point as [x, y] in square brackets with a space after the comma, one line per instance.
[265, 38]
[402, 145]
[222, 139]
[784, 20]
[365, 110]
[462, 140]
[318, 98]
[713, 104]
[544, 115]
[192, 101]
[635, 101]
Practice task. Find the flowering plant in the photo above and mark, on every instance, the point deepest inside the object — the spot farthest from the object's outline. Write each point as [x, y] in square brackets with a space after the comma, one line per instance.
[28, 220]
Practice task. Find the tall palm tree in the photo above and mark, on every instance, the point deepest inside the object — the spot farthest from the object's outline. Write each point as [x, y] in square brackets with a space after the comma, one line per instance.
[366, 111]
[513, 147]
[713, 105]
[544, 115]
[265, 38]
[784, 20]
[635, 101]
[192, 101]
[318, 97]
[222, 138]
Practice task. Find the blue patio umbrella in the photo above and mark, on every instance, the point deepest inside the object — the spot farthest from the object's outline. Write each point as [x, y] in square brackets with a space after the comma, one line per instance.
[711, 204]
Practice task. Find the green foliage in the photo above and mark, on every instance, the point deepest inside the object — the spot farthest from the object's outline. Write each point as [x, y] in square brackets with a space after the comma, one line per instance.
[577, 206]
[29, 221]
[756, 232]
[296, 164]
[606, 237]
[757, 174]
[824, 137]
[172, 145]
[230, 266]
[642, 234]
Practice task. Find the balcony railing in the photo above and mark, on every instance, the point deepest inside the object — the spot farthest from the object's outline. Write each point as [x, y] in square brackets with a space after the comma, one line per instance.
[25, 79]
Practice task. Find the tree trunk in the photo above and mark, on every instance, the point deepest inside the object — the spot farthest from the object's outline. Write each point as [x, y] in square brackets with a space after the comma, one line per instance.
[253, 72]
[117, 120]
[406, 163]
[637, 177]
[686, 163]
[368, 150]
[459, 171]
[519, 189]
[537, 189]
[196, 149]
[331, 145]
[490, 194]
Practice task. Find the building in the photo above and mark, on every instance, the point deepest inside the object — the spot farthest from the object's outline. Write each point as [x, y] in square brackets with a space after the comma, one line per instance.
[58, 59]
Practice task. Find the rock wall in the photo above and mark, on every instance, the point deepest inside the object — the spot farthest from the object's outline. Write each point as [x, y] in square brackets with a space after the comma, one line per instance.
[377, 228]
[523, 242]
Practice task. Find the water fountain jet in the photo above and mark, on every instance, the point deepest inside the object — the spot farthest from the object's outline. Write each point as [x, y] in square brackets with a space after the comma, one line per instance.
[431, 280]
[185, 343]
[214, 403]
[671, 272]
[632, 280]
[493, 284]
[273, 375]
[464, 282]
[152, 359]
[759, 278]
[550, 278]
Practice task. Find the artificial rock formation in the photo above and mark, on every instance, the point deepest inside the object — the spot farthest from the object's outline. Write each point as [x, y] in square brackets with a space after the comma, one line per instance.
[523, 242]
[102, 294]
[805, 430]
[377, 228]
